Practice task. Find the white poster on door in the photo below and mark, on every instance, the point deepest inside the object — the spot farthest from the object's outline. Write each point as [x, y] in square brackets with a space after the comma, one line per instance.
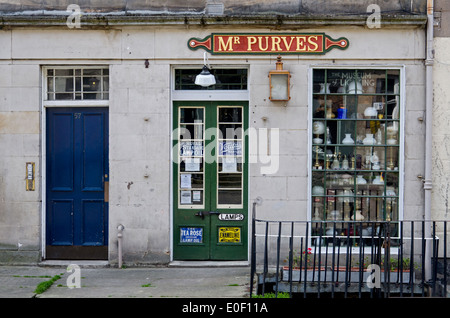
[185, 197]
[192, 164]
[229, 164]
[185, 181]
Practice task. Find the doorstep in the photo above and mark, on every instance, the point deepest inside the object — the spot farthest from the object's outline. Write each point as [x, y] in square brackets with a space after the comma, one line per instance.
[81, 263]
[209, 264]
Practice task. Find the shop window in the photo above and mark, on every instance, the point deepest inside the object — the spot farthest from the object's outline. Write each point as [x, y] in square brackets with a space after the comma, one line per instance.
[226, 79]
[355, 146]
[77, 83]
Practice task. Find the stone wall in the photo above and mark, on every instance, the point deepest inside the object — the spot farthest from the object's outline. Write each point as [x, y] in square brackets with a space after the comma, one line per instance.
[140, 124]
[441, 116]
[20, 143]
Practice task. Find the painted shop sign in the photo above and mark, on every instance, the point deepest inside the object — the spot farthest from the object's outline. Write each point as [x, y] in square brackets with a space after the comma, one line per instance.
[268, 43]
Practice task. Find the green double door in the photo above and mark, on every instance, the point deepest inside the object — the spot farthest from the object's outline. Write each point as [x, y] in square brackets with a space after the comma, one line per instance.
[210, 214]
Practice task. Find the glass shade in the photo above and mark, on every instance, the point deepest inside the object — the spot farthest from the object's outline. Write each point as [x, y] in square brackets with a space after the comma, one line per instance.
[205, 78]
[279, 86]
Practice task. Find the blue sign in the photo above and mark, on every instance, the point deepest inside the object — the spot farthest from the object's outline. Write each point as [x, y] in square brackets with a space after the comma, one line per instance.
[230, 148]
[191, 235]
[191, 148]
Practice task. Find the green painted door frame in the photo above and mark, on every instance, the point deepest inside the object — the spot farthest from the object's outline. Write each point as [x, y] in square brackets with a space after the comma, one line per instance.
[210, 173]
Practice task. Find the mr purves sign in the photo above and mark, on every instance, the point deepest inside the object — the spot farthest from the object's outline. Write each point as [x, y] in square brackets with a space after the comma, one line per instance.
[264, 43]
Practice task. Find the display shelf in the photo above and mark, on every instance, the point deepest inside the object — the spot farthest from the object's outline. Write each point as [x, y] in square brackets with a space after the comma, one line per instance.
[355, 145]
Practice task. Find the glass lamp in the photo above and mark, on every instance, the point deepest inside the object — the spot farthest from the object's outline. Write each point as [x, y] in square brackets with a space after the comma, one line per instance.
[205, 78]
[279, 80]
[318, 129]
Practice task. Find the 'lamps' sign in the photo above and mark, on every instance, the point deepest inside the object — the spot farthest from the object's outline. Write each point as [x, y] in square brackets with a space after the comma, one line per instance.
[264, 43]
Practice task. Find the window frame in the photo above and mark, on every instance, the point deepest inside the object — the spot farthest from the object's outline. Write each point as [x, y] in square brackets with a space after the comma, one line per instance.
[72, 102]
[401, 141]
[180, 158]
[209, 95]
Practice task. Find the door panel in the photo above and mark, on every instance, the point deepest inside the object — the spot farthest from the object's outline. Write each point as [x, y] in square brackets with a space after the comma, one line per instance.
[77, 170]
[61, 216]
[229, 235]
[93, 222]
[190, 231]
[209, 188]
[62, 155]
[93, 159]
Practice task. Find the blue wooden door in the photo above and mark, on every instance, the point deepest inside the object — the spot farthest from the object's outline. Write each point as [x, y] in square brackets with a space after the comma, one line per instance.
[77, 183]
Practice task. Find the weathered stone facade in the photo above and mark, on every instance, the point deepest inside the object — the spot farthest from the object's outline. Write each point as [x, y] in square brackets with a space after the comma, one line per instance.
[140, 104]
[440, 193]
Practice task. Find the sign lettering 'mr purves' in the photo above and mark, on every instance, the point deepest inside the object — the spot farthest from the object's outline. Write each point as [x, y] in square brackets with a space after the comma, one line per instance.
[295, 43]
[273, 44]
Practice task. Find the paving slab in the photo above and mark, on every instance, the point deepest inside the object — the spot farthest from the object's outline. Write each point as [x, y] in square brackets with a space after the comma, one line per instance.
[108, 282]
[21, 281]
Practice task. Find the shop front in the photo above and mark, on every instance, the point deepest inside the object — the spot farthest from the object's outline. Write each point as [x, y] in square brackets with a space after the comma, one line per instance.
[317, 122]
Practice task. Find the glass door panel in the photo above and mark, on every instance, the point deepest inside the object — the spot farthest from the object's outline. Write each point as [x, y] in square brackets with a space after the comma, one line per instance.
[229, 172]
[192, 144]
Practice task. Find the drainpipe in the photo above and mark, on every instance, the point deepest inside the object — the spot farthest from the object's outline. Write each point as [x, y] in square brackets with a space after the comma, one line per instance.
[120, 228]
[427, 185]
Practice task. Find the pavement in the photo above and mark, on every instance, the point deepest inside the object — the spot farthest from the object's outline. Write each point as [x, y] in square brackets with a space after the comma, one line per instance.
[97, 280]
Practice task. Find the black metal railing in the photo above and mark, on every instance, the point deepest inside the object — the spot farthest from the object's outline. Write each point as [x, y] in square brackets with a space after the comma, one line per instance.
[349, 258]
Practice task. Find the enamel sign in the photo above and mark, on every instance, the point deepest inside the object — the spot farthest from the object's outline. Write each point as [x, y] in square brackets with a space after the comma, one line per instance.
[191, 235]
[268, 43]
[229, 234]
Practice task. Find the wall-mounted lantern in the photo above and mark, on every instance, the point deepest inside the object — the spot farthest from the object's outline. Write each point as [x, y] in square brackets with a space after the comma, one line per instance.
[279, 80]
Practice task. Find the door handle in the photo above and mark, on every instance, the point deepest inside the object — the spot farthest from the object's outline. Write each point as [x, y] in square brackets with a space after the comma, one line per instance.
[106, 191]
[105, 188]
[202, 214]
